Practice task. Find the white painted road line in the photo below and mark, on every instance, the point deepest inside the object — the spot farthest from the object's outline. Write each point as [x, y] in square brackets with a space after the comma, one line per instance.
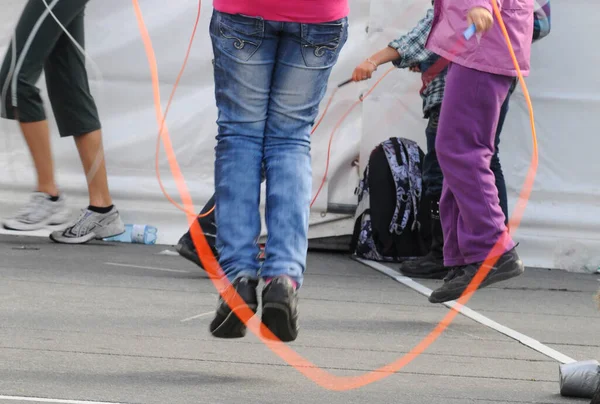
[50, 400]
[473, 315]
[116, 264]
[169, 253]
[197, 316]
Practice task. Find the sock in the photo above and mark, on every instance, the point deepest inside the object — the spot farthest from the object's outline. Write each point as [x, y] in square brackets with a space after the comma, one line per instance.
[54, 198]
[294, 283]
[100, 210]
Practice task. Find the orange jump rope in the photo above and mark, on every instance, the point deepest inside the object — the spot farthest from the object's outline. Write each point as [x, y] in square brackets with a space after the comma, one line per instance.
[304, 366]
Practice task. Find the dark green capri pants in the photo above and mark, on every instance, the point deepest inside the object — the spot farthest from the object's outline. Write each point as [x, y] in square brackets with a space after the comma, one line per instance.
[47, 48]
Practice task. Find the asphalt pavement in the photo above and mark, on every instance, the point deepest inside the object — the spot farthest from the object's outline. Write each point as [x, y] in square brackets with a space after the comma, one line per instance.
[121, 323]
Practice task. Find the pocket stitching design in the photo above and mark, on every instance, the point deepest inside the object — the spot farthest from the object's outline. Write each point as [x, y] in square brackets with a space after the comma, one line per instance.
[320, 49]
[238, 43]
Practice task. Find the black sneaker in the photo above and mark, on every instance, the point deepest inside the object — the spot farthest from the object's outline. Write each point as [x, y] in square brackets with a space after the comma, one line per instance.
[509, 265]
[431, 266]
[280, 308]
[226, 323]
[186, 248]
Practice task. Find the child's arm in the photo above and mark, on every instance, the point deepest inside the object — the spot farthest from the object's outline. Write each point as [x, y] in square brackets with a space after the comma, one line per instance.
[481, 13]
[406, 51]
[487, 4]
[541, 21]
[411, 47]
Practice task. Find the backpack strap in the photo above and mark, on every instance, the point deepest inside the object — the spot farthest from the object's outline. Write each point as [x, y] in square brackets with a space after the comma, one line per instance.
[413, 193]
[398, 166]
[362, 192]
[414, 178]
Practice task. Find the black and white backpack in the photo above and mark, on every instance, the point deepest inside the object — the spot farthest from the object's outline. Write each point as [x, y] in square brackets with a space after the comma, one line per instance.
[390, 224]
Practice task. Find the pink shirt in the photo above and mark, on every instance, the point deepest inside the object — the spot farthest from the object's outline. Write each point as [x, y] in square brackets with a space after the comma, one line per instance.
[301, 11]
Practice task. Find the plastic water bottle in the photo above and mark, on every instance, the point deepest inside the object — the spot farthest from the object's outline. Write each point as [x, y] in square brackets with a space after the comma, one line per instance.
[137, 234]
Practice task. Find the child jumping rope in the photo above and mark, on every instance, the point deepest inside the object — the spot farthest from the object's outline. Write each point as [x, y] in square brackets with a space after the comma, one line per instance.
[478, 81]
[408, 51]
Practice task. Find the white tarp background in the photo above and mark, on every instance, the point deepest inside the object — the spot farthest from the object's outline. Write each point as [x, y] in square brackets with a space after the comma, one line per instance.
[561, 226]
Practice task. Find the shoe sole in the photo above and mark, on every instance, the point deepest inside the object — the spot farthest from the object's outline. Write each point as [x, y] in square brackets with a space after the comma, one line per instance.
[72, 240]
[491, 279]
[277, 318]
[57, 219]
[109, 231]
[232, 327]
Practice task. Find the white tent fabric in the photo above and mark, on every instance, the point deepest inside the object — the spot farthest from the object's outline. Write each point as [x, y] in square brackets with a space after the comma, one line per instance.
[561, 225]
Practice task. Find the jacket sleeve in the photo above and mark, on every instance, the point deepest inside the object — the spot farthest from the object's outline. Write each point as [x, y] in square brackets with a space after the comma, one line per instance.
[411, 46]
[541, 21]
[487, 4]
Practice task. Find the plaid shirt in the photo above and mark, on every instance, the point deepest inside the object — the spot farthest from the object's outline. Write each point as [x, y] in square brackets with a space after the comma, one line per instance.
[541, 20]
[411, 47]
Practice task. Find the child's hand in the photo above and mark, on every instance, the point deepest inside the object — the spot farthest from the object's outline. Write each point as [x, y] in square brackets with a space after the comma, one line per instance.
[364, 71]
[481, 17]
[415, 69]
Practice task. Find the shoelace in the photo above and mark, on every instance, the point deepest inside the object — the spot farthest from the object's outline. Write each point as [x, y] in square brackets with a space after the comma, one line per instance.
[77, 222]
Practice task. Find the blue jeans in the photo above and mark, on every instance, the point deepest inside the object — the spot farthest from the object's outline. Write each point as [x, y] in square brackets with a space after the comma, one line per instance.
[270, 78]
[432, 173]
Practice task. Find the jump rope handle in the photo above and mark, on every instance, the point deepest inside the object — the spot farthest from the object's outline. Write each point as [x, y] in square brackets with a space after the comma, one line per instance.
[469, 32]
[345, 82]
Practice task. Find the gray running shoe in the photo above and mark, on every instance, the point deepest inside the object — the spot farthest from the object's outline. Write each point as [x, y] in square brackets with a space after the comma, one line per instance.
[91, 226]
[39, 213]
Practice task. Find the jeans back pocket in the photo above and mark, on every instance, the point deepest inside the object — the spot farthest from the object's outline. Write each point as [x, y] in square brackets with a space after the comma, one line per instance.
[322, 43]
[238, 35]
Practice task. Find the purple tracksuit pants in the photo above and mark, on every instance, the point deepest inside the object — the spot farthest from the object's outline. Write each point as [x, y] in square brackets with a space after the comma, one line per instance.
[472, 221]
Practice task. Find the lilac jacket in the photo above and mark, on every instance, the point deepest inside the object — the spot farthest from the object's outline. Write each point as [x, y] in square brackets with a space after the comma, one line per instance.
[491, 54]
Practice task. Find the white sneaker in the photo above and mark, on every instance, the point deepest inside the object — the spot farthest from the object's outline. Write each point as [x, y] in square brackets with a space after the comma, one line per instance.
[89, 226]
[38, 213]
